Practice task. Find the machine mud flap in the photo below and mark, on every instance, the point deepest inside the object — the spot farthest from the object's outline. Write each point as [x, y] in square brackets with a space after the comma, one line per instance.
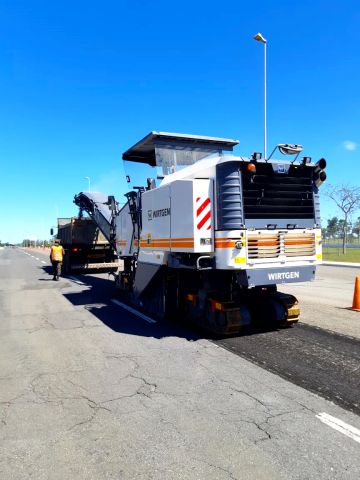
[227, 318]
[274, 309]
[222, 318]
[292, 307]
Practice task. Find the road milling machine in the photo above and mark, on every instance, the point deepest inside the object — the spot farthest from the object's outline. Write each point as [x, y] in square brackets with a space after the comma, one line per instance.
[218, 233]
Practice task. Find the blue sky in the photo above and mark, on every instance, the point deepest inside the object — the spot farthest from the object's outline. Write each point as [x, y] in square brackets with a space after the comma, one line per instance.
[80, 82]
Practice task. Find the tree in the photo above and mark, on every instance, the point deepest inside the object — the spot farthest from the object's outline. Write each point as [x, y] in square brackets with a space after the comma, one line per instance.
[356, 228]
[347, 199]
[332, 227]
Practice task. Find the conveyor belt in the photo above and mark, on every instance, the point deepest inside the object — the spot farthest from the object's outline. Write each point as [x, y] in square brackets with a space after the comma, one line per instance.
[102, 209]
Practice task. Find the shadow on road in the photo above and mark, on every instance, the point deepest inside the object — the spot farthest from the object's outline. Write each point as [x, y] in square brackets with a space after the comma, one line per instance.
[122, 321]
[97, 296]
[48, 269]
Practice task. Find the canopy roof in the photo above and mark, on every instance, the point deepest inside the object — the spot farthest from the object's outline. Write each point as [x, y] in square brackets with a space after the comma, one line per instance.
[144, 150]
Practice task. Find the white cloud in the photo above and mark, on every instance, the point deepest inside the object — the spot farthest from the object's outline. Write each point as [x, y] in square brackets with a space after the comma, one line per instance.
[349, 145]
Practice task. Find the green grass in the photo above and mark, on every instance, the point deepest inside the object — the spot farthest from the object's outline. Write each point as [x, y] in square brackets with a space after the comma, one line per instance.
[336, 255]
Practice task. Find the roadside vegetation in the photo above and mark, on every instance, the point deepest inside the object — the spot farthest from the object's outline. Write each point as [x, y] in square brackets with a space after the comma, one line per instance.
[347, 201]
[341, 236]
[36, 243]
[336, 254]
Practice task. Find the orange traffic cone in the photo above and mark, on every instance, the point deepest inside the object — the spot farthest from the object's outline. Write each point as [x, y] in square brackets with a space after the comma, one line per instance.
[356, 301]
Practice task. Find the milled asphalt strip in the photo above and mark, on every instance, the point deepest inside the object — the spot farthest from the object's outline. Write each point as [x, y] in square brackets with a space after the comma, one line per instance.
[318, 360]
[340, 426]
[134, 312]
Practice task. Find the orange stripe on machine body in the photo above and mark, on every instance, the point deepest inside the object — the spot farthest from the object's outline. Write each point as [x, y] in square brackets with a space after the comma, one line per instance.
[182, 244]
[227, 242]
[168, 243]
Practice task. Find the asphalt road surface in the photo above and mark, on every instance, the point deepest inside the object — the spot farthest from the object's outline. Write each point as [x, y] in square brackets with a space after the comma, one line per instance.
[321, 361]
[326, 302]
[89, 390]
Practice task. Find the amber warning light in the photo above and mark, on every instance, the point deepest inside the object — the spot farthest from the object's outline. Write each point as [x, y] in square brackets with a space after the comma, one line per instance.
[251, 167]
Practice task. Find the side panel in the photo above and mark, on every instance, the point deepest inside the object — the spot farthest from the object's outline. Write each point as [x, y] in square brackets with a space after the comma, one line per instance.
[177, 218]
[203, 216]
[155, 257]
[145, 274]
[227, 255]
[155, 234]
[192, 216]
[182, 218]
[124, 230]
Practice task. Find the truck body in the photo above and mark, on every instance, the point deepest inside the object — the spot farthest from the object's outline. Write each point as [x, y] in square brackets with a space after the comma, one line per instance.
[219, 232]
[86, 248]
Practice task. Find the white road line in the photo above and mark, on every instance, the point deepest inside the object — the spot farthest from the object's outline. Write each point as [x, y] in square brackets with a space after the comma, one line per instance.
[135, 312]
[74, 279]
[340, 426]
[42, 261]
[37, 258]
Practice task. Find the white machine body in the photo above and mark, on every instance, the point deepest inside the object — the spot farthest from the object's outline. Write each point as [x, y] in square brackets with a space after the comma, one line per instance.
[213, 240]
[180, 216]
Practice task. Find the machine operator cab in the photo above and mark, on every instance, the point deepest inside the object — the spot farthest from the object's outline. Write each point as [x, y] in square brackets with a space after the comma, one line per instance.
[171, 152]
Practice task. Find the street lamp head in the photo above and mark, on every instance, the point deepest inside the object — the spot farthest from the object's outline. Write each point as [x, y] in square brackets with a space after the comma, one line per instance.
[259, 38]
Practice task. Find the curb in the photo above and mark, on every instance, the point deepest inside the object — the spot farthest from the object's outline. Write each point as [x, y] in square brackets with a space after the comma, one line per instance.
[341, 264]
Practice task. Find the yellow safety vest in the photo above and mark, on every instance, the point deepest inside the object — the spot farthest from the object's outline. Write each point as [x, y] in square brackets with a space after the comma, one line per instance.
[57, 253]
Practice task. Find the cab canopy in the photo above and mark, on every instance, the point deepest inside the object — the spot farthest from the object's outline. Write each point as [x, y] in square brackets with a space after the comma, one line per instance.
[169, 151]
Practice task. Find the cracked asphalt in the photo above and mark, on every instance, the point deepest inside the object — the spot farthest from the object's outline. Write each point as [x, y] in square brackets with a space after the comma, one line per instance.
[316, 359]
[89, 391]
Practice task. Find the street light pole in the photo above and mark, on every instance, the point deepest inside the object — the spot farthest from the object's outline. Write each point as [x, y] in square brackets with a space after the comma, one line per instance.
[259, 38]
[88, 179]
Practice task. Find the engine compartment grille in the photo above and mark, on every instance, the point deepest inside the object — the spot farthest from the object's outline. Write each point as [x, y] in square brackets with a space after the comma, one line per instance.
[263, 245]
[270, 195]
[297, 245]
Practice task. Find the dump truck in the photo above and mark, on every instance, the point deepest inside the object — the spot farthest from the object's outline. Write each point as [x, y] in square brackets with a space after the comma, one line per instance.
[214, 239]
[86, 248]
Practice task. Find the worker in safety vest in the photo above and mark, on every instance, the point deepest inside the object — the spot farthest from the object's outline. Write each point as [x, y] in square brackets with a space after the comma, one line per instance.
[56, 257]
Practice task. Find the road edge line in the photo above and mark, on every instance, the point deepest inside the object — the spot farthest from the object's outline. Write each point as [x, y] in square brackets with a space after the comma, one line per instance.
[340, 426]
[133, 311]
